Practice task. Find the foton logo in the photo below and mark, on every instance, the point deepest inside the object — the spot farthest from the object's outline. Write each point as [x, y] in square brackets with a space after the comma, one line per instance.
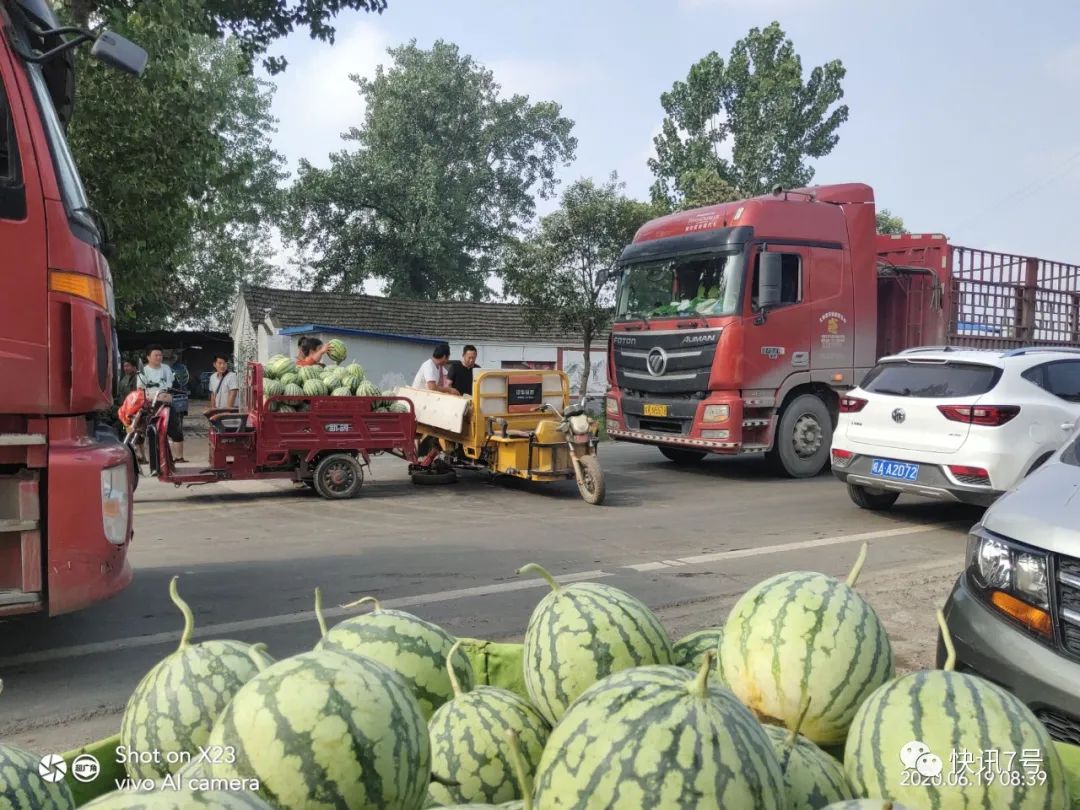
[624, 340]
[697, 340]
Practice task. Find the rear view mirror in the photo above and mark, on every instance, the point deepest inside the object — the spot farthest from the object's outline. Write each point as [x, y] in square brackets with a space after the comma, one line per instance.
[769, 280]
[120, 53]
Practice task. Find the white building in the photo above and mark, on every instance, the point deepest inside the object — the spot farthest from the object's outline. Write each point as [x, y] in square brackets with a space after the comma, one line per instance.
[391, 337]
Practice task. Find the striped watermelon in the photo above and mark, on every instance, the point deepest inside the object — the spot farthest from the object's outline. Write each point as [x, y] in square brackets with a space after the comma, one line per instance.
[469, 743]
[327, 729]
[866, 804]
[22, 788]
[522, 775]
[805, 636]
[292, 378]
[689, 651]
[176, 703]
[659, 737]
[278, 366]
[935, 713]
[415, 649]
[315, 388]
[308, 373]
[350, 382]
[293, 390]
[171, 799]
[812, 778]
[367, 388]
[579, 634]
[336, 350]
[273, 388]
[344, 391]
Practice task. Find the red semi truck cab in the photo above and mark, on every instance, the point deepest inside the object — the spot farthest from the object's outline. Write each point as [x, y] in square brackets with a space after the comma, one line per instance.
[65, 483]
[737, 325]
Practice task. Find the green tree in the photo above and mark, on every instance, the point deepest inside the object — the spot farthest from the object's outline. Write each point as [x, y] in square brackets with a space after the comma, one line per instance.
[702, 187]
[179, 163]
[443, 174]
[556, 271]
[253, 24]
[888, 222]
[758, 105]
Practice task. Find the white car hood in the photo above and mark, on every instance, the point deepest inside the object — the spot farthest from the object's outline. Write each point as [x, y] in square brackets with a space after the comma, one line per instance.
[1043, 511]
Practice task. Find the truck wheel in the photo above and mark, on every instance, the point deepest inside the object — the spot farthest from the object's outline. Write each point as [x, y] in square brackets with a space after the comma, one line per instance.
[874, 501]
[338, 476]
[683, 458]
[803, 438]
[591, 486]
[433, 478]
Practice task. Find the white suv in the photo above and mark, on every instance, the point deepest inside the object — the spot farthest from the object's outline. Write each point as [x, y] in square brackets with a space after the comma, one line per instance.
[954, 424]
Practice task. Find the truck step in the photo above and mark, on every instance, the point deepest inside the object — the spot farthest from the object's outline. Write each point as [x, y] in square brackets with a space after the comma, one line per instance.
[754, 448]
[16, 525]
[21, 439]
[12, 597]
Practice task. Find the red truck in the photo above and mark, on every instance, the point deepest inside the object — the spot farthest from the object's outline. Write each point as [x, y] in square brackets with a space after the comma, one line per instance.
[738, 325]
[65, 482]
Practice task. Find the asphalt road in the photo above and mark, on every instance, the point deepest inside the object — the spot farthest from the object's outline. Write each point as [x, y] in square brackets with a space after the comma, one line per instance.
[687, 541]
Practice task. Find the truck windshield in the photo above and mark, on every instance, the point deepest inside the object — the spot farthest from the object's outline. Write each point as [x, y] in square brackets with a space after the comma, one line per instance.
[694, 285]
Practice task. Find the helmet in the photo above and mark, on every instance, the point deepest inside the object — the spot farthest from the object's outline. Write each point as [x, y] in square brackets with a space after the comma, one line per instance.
[131, 405]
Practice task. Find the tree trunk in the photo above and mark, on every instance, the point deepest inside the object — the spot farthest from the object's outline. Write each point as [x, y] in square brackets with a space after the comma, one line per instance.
[587, 365]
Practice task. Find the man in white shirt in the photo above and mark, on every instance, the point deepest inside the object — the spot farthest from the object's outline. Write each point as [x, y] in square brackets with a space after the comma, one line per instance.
[432, 374]
[155, 374]
[224, 386]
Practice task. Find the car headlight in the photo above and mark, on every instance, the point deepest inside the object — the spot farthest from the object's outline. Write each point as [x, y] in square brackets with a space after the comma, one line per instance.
[115, 506]
[1012, 578]
[716, 413]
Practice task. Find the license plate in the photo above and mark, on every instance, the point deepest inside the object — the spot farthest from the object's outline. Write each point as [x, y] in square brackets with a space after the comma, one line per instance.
[896, 470]
[656, 410]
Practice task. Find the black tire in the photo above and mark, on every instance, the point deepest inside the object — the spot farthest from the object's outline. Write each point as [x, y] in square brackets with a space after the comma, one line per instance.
[136, 470]
[591, 486]
[431, 479]
[803, 438]
[874, 501]
[683, 458]
[338, 476]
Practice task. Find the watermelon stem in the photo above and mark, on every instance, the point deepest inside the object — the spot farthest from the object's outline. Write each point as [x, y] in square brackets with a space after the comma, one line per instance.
[946, 636]
[699, 687]
[794, 735]
[856, 569]
[450, 668]
[359, 602]
[319, 613]
[185, 609]
[520, 771]
[533, 568]
[255, 653]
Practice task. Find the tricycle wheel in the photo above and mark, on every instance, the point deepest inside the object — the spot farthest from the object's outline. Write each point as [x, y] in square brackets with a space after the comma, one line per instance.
[338, 476]
[591, 482]
[433, 477]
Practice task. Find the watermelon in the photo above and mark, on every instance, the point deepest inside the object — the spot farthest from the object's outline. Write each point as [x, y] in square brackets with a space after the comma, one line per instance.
[812, 778]
[415, 649]
[579, 634]
[367, 388]
[310, 373]
[292, 378]
[170, 798]
[176, 703]
[285, 408]
[350, 382]
[344, 391]
[273, 388]
[336, 350]
[806, 636]
[657, 736]
[908, 738]
[355, 370]
[866, 804]
[327, 729]
[21, 786]
[689, 651]
[315, 388]
[277, 366]
[469, 743]
[293, 390]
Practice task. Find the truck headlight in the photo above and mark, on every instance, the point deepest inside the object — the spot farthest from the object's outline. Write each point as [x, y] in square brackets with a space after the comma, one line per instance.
[612, 406]
[1012, 578]
[716, 413]
[115, 503]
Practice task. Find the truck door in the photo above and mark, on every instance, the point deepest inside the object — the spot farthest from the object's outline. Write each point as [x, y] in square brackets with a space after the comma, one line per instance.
[777, 342]
[832, 319]
[23, 271]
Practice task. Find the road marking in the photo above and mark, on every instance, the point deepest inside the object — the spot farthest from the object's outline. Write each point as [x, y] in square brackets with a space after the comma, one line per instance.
[759, 551]
[227, 629]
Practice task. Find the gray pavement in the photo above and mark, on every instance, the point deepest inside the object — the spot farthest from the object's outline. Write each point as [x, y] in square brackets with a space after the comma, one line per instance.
[687, 541]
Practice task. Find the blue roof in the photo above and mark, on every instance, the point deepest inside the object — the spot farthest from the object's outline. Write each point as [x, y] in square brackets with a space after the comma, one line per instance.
[309, 328]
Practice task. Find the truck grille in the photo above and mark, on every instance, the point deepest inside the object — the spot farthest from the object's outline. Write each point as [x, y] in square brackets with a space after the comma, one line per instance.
[1061, 726]
[1068, 600]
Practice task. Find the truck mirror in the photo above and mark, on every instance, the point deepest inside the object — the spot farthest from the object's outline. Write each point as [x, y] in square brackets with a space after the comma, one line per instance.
[769, 280]
[120, 53]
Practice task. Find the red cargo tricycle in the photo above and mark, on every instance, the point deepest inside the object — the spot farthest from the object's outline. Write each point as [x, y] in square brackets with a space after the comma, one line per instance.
[325, 444]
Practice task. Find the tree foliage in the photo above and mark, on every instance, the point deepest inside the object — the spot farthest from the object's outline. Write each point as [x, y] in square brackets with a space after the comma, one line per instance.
[888, 222]
[702, 187]
[443, 173]
[755, 107]
[252, 24]
[556, 271]
[179, 163]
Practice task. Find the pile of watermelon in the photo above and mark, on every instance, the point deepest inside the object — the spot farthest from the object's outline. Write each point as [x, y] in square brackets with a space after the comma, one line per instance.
[793, 703]
[283, 378]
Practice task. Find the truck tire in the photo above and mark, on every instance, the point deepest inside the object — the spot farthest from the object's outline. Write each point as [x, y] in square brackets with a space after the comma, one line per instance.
[338, 476]
[874, 501]
[803, 438]
[683, 458]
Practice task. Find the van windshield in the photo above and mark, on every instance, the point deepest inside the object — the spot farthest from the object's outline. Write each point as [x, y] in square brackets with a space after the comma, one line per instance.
[694, 285]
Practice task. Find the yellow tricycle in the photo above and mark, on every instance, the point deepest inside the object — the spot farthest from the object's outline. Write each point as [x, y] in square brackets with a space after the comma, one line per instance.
[514, 422]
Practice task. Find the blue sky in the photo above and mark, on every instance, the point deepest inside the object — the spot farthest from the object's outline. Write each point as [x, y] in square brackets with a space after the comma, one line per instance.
[964, 116]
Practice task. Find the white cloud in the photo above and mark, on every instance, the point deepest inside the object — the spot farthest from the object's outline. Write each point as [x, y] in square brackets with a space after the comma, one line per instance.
[1064, 63]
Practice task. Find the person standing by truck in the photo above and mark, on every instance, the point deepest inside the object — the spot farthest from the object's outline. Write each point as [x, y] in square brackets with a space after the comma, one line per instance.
[460, 372]
[224, 386]
[157, 375]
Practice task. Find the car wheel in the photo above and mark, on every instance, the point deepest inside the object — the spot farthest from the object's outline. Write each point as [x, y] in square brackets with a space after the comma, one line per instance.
[680, 456]
[874, 501]
[803, 438]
